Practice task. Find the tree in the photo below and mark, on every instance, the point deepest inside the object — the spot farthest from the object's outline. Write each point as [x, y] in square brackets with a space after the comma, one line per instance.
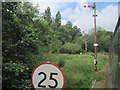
[75, 33]
[47, 16]
[64, 35]
[58, 20]
[69, 24]
[18, 43]
[103, 43]
[103, 39]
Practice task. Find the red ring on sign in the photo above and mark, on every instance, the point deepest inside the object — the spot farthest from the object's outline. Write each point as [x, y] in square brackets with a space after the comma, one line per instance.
[50, 64]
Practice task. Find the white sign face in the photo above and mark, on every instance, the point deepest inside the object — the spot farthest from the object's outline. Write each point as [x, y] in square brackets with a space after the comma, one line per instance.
[95, 44]
[47, 75]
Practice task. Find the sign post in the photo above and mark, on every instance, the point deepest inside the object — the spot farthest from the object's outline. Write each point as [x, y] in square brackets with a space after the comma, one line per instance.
[47, 75]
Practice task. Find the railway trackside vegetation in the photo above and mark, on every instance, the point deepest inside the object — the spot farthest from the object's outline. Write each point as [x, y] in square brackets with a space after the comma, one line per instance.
[79, 69]
[29, 38]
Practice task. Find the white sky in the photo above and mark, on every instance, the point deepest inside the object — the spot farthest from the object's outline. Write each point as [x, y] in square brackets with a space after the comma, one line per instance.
[79, 16]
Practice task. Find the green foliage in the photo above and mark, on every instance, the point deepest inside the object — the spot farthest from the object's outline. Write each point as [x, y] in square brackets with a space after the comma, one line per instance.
[61, 63]
[102, 60]
[79, 40]
[18, 38]
[28, 40]
[70, 48]
[103, 39]
[90, 41]
[67, 33]
[79, 69]
[19, 44]
[44, 32]
[47, 15]
[69, 24]
[104, 43]
[17, 74]
[58, 19]
[54, 45]
[64, 35]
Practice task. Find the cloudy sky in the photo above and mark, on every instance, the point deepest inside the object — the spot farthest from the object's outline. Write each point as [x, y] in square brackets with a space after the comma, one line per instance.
[74, 11]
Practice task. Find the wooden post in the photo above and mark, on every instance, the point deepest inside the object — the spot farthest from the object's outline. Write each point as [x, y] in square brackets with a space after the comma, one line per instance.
[95, 39]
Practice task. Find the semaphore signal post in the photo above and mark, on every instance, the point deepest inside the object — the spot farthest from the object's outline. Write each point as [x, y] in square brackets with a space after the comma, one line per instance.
[95, 38]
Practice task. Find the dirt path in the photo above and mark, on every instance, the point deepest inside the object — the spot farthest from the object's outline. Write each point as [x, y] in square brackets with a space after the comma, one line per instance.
[102, 83]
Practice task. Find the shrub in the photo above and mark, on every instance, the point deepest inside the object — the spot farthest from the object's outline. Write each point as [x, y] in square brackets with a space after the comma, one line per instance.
[16, 75]
[61, 63]
[70, 48]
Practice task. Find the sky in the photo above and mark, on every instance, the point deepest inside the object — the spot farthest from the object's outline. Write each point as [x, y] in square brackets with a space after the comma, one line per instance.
[74, 11]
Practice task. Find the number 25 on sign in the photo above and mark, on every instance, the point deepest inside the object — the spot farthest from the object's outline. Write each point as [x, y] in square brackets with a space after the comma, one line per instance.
[47, 76]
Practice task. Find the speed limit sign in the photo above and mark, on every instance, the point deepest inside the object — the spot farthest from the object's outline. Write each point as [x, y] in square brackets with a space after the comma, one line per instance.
[47, 75]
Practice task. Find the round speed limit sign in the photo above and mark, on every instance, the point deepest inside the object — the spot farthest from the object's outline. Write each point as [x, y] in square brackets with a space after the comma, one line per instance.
[47, 75]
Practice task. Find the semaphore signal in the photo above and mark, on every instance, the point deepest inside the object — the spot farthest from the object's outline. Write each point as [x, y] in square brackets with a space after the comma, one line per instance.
[95, 39]
[88, 6]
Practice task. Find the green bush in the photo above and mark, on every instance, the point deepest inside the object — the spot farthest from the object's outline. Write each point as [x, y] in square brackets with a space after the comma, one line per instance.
[61, 63]
[16, 75]
[70, 48]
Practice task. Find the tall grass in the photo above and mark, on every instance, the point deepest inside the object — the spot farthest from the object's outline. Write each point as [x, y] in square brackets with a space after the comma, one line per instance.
[79, 69]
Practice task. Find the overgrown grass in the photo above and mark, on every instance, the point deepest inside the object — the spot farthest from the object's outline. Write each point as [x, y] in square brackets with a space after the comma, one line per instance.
[79, 69]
